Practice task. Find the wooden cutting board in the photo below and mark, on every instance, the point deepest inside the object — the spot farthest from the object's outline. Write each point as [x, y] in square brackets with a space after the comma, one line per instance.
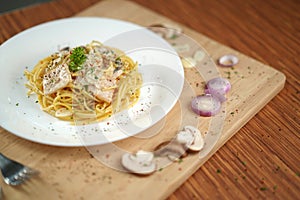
[71, 173]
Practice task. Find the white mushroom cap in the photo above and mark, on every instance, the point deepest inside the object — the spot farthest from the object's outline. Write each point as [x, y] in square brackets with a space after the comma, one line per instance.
[169, 31]
[198, 142]
[139, 163]
[185, 137]
[172, 149]
[142, 156]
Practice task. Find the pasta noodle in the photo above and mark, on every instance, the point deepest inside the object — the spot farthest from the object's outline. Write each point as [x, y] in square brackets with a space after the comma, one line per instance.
[85, 84]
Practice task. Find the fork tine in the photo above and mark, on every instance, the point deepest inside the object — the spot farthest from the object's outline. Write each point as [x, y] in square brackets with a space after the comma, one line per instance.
[30, 171]
[13, 181]
[14, 173]
[19, 178]
[22, 175]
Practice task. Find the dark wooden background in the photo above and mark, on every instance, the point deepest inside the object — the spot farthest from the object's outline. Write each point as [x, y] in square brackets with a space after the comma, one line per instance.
[262, 161]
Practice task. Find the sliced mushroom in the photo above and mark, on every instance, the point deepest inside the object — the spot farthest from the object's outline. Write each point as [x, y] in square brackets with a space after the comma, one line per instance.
[172, 32]
[139, 163]
[67, 48]
[191, 129]
[169, 31]
[174, 150]
[185, 138]
[198, 142]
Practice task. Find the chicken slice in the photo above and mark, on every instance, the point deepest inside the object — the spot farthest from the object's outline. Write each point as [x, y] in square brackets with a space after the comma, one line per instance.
[56, 79]
[106, 95]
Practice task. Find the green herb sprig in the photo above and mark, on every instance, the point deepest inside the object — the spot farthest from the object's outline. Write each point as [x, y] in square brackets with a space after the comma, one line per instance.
[77, 58]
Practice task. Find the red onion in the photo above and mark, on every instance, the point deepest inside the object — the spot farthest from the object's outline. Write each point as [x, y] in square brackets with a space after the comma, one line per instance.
[228, 60]
[218, 87]
[206, 105]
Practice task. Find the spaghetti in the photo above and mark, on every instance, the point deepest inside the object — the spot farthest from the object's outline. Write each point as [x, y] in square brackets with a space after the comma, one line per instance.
[85, 84]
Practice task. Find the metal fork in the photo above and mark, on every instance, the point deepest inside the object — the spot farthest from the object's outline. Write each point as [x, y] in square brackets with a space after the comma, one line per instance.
[14, 173]
[0, 193]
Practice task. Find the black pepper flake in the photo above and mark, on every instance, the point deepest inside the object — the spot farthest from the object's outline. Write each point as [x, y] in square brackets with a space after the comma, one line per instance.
[263, 189]
[228, 74]
[218, 171]
[17, 104]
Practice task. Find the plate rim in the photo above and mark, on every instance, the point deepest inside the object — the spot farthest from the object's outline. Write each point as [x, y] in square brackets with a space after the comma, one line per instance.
[70, 19]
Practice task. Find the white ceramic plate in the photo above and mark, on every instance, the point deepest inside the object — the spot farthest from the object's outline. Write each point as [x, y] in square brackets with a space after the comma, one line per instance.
[161, 68]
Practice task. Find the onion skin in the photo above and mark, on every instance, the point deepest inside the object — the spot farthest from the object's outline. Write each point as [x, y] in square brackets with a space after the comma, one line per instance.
[206, 105]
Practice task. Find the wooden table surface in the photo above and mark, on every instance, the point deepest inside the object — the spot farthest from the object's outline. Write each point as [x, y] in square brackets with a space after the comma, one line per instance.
[265, 152]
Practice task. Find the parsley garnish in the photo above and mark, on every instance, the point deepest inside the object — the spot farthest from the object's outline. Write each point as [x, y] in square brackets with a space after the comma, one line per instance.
[118, 61]
[77, 58]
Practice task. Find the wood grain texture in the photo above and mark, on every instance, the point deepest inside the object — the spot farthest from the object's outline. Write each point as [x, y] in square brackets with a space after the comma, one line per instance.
[261, 160]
